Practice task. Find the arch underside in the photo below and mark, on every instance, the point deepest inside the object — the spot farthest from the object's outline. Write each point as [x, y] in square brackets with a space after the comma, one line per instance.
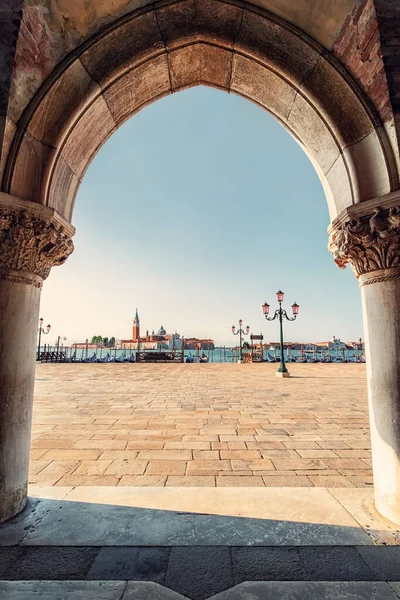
[157, 51]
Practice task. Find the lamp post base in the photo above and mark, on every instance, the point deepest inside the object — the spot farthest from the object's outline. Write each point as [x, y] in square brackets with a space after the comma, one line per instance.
[282, 374]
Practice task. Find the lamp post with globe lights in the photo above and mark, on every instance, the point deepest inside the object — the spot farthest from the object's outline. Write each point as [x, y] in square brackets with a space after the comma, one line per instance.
[281, 314]
[41, 330]
[241, 333]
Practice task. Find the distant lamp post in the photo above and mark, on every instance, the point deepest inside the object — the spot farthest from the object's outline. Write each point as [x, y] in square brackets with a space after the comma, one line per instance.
[41, 330]
[240, 332]
[360, 349]
[280, 314]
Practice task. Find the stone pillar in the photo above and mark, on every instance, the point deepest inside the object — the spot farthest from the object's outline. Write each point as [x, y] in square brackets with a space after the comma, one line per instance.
[368, 237]
[33, 238]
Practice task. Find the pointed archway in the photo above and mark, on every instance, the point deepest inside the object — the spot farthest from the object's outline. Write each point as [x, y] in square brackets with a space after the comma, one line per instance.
[146, 54]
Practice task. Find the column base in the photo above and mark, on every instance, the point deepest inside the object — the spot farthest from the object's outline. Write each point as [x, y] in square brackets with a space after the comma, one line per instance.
[12, 502]
[387, 513]
[282, 374]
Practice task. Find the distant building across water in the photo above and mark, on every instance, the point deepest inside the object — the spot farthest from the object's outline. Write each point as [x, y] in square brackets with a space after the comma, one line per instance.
[335, 344]
[197, 344]
[162, 340]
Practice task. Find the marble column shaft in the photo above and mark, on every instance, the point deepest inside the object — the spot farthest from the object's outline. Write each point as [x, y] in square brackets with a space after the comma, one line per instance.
[19, 308]
[32, 240]
[369, 239]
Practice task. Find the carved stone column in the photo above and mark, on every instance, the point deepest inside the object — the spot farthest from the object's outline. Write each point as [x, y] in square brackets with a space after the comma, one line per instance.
[368, 237]
[33, 238]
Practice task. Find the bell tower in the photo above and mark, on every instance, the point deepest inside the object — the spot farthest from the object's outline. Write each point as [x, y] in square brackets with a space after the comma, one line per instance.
[136, 327]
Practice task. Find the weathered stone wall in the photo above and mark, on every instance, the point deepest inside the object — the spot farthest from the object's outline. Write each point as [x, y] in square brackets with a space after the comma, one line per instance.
[369, 47]
[358, 46]
[322, 20]
[10, 21]
[51, 31]
[388, 15]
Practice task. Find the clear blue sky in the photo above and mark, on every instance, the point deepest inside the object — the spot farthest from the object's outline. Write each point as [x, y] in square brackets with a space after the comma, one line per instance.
[196, 211]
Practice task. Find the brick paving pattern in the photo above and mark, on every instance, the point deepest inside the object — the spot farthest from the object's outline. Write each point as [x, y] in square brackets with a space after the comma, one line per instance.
[200, 425]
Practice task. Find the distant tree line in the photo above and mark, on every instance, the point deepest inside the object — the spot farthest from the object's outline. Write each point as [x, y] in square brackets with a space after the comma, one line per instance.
[105, 341]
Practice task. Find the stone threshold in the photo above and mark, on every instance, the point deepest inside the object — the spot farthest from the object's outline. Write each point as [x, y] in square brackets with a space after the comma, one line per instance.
[143, 516]
[253, 590]
[190, 567]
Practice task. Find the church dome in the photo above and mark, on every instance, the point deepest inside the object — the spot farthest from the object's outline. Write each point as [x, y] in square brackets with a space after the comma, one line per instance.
[161, 331]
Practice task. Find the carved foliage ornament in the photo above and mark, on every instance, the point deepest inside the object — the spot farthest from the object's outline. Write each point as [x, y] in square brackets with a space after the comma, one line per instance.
[30, 243]
[368, 243]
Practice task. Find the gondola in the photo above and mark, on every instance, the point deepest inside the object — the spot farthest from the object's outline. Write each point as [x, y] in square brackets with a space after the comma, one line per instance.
[105, 358]
[90, 359]
[119, 359]
[72, 358]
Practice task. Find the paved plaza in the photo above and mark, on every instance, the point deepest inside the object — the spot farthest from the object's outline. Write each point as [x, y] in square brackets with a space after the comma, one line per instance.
[222, 425]
[113, 444]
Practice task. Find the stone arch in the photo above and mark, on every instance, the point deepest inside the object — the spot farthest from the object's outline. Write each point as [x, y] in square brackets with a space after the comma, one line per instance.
[170, 46]
[161, 48]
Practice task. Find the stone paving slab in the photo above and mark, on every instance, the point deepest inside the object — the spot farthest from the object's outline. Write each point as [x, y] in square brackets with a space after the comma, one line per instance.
[360, 505]
[175, 516]
[383, 560]
[63, 590]
[216, 424]
[395, 585]
[132, 590]
[14, 531]
[309, 590]
[338, 564]
[48, 562]
[267, 563]
[77, 524]
[143, 590]
[240, 564]
[195, 570]
[138, 563]
[181, 516]
[199, 572]
[331, 506]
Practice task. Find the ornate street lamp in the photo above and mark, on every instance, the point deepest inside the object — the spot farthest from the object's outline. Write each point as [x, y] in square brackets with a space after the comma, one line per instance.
[280, 314]
[41, 330]
[240, 332]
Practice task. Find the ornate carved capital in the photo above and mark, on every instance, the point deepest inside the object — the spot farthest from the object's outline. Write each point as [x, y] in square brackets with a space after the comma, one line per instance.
[31, 244]
[369, 243]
